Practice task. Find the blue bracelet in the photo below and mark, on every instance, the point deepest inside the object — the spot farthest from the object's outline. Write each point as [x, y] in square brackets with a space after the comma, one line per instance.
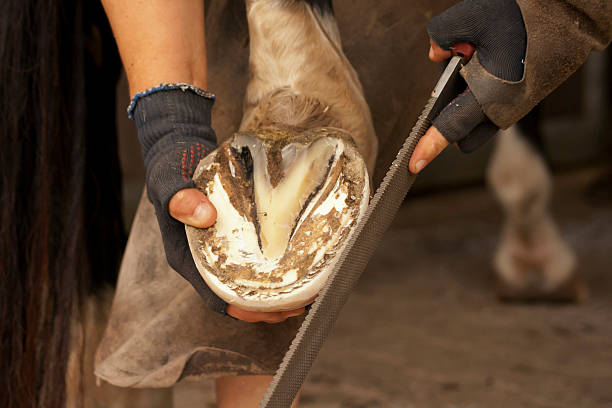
[167, 87]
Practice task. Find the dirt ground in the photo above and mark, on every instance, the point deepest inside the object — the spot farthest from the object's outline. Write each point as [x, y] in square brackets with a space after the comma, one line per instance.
[424, 329]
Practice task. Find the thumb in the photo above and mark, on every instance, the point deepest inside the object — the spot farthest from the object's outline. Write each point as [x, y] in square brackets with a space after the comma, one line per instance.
[190, 206]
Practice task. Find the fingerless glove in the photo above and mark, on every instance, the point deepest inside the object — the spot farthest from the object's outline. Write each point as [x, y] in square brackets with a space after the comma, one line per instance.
[497, 31]
[174, 132]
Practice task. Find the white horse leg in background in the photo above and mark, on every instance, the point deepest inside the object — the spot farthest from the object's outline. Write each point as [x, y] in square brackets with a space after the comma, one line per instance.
[532, 261]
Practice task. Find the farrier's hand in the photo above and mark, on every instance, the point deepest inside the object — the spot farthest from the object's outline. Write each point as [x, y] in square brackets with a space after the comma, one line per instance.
[496, 30]
[174, 131]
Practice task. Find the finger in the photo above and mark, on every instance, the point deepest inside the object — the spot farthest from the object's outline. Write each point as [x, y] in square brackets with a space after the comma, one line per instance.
[464, 49]
[236, 312]
[479, 136]
[254, 317]
[245, 315]
[274, 319]
[191, 207]
[296, 312]
[267, 317]
[282, 316]
[430, 146]
[436, 53]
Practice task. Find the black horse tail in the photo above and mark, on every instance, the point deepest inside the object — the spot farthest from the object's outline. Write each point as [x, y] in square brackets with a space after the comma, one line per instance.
[60, 225]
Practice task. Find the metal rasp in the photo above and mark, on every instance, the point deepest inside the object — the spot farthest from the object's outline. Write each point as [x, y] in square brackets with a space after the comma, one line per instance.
[361, 245]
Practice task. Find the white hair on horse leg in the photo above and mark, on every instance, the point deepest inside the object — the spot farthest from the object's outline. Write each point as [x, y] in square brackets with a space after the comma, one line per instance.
[531, 248]
[300, 76]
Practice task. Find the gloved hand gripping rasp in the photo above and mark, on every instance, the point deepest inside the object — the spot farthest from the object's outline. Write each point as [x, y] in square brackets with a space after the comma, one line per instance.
[174, 131]
[559, 36]
[496, 30]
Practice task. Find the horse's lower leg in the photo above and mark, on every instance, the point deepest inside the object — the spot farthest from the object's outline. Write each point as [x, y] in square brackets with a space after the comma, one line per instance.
[532, 260]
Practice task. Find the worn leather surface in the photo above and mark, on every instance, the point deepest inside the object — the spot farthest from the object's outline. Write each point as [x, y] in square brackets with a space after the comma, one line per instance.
[560, 36]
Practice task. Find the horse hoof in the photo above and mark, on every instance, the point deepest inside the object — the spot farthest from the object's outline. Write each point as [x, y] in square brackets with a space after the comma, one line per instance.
[287, 201]
[572, 290]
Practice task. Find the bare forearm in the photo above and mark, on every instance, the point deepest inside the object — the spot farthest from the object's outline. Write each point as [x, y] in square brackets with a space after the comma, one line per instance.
[160, 41]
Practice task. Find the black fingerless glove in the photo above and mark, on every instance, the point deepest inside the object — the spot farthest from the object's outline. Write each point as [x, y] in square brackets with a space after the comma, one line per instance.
[497, 31]
[174, 131]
